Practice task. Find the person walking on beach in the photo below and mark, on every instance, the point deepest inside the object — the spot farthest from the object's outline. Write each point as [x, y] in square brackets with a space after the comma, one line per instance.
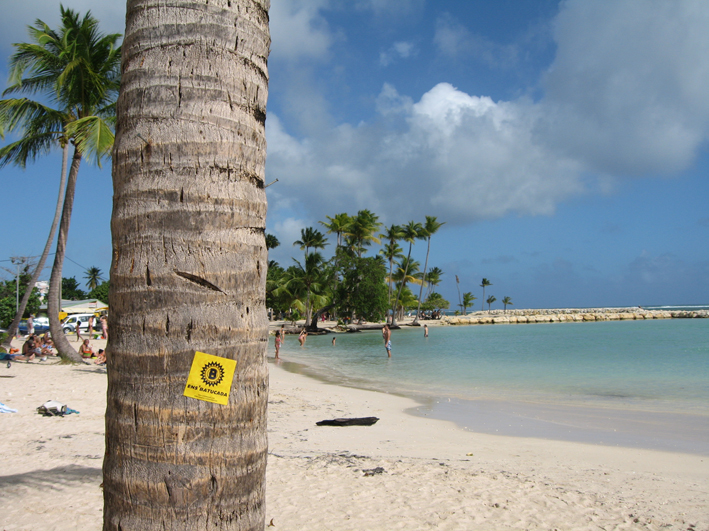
[278, 343]
[104, 327]
[386, 334]
[30, 325]
[425, 330]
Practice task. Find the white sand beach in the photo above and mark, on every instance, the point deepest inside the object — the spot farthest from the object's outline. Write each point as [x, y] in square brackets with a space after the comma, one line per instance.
[404, 472]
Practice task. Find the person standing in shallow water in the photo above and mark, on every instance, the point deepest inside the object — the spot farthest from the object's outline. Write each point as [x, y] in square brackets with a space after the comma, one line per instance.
[386, 334]
[425, 330]
[278, 343]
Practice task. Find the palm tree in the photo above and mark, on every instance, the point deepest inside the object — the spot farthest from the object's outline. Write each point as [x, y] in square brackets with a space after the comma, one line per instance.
[412, 231]
[484, 284]
[310, 238]
[189, 268]
[429, 229]
[93, 277]
[391, 249]
[489, 301]
[77, 68]
[338, 226]
[271, 242]
[433, 278]
[308, 278]
[468, 299]
[506, 301]
[361, 231]
[457, 285]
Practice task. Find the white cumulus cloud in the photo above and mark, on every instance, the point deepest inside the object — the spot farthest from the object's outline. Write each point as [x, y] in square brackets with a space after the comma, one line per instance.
[625, 95]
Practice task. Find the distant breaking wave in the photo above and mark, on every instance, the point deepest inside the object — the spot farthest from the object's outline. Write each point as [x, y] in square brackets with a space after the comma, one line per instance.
[688, 308]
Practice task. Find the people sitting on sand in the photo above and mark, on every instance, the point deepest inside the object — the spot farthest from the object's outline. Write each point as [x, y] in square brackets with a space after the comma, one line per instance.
[302, 337]
[86, 351]
[101, 357]
[31, 349]
[48, 346]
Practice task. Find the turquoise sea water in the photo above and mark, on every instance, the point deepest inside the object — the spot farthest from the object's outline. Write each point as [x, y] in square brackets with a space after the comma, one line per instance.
[631, 383]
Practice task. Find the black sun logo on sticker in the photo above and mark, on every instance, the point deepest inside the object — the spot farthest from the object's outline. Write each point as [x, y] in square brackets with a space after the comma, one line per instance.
[212, 373]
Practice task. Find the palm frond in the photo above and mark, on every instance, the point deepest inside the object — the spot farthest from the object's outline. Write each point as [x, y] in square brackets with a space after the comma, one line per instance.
[92, 136]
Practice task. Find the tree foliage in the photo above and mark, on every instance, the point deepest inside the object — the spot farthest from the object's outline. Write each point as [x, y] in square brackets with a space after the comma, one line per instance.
[362, 293]
[100, 292]
[71, 290]
[8, 298]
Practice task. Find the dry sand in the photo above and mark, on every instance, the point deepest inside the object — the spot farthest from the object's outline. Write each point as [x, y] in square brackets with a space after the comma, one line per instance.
[423, 473]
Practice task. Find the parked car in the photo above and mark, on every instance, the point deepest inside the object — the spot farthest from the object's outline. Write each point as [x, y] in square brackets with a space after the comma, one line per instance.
[41, 325]
[69, 324]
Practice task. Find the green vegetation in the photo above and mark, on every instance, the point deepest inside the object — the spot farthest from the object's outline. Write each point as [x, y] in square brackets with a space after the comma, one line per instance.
[468, 299]
[489, 301]
[8, 298]
[349, 285]
[506, 300]
[483, 285]
[71, 290]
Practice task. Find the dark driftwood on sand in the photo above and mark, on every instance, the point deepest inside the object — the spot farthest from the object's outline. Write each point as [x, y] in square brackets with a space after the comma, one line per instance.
[361, 421]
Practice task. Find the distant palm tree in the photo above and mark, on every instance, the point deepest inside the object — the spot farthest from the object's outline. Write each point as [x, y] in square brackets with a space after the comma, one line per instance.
[412, 231]
[506, 301]
[485, 283]
[338, 226]
[361, 231]
[429, 229]
[391, 249]
[489, 301]
[310, 238]
[271, 241]
[93, 277]
[468, 299]
[308, 278]
[457, 285]
[433, 278]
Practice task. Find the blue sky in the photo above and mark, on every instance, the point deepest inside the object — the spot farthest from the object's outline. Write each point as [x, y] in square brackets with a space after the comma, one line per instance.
[563, 143]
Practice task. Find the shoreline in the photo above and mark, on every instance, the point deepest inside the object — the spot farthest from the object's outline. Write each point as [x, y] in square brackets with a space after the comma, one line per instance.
[403, 472]
[511, 316]
[611, 426]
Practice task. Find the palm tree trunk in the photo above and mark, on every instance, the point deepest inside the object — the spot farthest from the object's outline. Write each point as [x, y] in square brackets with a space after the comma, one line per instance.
[423, 281]
[391, 271]
[45, 253]
[401, 287]
[64, 349]
[189, 268]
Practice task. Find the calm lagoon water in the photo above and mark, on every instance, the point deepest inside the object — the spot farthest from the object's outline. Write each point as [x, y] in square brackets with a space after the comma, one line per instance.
[631, 383]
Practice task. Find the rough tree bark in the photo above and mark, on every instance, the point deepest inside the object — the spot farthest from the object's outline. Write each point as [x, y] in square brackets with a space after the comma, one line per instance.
[189, 267]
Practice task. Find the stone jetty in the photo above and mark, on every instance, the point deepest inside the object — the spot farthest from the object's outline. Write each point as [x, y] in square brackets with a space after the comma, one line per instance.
[568, 315]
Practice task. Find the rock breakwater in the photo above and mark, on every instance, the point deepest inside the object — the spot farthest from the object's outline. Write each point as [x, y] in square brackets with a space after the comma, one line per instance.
[568, 315]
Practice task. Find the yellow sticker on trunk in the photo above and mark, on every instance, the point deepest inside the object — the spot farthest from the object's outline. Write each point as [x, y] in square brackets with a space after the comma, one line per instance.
[210, 378]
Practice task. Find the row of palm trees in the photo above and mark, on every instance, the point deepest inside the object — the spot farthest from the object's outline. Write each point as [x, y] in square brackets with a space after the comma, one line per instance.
[353, 235]
[74, 72]
[468, 298]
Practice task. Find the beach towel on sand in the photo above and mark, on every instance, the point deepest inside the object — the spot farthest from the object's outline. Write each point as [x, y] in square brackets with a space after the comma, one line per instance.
[5, 409]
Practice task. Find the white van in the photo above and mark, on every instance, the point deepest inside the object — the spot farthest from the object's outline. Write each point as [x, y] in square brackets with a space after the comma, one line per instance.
[69, 324]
